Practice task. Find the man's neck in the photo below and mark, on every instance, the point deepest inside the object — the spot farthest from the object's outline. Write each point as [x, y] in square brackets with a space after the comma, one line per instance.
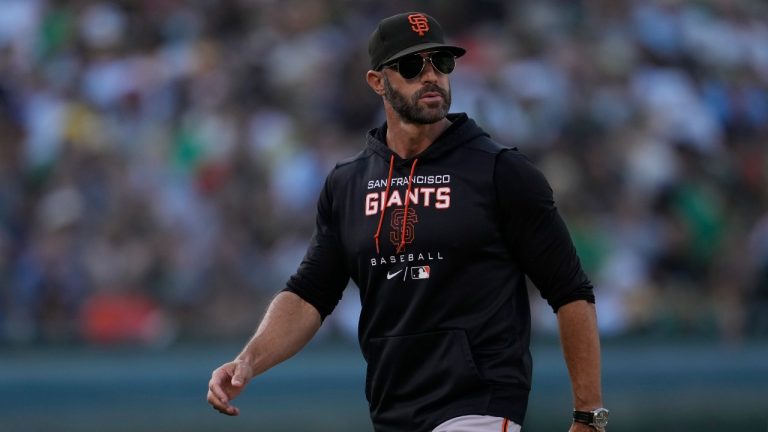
[409, 139]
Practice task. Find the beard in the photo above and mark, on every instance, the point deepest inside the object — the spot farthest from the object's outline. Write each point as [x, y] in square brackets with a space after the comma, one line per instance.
[410, 110]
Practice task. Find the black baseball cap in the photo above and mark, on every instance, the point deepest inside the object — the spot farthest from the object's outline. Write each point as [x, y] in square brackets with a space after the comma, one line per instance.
[404, 34]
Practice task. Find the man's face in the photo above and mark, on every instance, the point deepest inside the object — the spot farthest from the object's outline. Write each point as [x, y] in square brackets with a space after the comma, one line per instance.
[428, 104]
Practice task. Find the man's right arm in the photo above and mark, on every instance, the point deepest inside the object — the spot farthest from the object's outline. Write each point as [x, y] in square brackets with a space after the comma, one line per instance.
[290, 322]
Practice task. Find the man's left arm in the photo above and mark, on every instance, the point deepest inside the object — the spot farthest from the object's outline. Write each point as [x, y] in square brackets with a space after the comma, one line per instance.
[581, 348]
[539, 239]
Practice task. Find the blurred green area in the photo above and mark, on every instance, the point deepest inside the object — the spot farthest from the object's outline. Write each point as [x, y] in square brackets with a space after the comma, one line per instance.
[658, 385]
[160, 161]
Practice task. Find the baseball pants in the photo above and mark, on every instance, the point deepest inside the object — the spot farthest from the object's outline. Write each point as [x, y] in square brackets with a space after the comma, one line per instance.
[478, 423]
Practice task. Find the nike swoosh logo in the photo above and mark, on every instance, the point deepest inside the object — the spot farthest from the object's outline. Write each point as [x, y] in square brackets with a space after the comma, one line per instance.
[391, 275]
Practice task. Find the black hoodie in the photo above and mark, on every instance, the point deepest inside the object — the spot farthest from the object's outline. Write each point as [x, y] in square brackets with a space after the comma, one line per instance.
[445, 321]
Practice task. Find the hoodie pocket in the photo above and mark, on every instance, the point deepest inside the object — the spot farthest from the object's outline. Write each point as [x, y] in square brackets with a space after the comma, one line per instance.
[424, 374]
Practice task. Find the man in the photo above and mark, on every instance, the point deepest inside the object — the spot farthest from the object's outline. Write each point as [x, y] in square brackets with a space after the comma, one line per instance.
[438, 225]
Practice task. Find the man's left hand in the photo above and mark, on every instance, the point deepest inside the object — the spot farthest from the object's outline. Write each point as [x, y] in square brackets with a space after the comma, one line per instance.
[580, 427]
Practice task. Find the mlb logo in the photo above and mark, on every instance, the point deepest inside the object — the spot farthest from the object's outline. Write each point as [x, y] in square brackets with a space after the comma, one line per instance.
[420, 272]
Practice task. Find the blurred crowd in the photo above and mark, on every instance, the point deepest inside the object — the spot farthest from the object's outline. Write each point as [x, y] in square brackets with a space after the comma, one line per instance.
[160, 159]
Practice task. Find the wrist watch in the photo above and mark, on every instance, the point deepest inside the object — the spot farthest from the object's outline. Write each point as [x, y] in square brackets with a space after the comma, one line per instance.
[597, 418]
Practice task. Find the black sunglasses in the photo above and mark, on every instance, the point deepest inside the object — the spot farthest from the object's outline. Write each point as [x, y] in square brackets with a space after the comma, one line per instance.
[411, 65]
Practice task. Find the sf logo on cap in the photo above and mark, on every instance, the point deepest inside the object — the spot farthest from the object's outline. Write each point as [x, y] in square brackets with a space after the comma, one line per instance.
[419, 23]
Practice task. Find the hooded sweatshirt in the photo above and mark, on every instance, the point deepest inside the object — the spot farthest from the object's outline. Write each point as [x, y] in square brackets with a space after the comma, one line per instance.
[440, 246]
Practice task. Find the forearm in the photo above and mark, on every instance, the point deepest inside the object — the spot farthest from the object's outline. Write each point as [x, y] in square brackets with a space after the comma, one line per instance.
[288, 325]
[581, 348]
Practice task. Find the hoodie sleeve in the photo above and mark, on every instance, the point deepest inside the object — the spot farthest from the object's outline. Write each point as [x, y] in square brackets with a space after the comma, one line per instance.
[535, 233]
[322, 276]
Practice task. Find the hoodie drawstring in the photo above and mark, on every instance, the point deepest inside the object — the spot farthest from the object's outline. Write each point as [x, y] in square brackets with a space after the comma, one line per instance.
[401, 246]
[384, 202]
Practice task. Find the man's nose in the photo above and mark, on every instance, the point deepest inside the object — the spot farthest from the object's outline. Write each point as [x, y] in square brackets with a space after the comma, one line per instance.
[428, 73]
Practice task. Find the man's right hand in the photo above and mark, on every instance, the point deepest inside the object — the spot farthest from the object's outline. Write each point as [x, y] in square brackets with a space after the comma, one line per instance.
[289, 323]
[226, 383]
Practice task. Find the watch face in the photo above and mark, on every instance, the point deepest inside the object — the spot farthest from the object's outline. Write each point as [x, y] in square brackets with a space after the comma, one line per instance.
[601, 417]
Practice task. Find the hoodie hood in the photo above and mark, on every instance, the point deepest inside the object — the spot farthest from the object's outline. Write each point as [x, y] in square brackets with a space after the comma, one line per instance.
[461, 130]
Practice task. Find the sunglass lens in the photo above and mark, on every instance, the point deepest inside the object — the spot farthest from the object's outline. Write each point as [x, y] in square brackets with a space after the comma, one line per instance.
[443, 61]
[410, 66]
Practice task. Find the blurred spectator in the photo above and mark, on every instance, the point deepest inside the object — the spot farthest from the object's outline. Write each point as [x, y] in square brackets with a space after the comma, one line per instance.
[160, 160]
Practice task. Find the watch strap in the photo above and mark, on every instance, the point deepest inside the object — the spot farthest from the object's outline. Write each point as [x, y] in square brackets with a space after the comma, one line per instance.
[586, 417]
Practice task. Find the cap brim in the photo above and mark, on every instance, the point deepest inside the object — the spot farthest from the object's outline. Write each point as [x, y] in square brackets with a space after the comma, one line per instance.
[457, 51]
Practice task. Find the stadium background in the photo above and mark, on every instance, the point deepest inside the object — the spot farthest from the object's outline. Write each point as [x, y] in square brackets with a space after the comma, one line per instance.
[160, 161]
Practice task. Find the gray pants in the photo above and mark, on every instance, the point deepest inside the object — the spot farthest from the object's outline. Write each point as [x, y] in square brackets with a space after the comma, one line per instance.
[478, 423]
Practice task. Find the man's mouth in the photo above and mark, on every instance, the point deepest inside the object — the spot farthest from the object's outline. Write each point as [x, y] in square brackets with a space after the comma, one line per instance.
[431, 97]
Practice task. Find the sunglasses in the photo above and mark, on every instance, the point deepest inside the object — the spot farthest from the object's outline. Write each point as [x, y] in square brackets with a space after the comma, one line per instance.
[411, 65]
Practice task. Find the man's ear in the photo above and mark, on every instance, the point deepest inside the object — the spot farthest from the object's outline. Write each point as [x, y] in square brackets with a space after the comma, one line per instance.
[376, 81]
